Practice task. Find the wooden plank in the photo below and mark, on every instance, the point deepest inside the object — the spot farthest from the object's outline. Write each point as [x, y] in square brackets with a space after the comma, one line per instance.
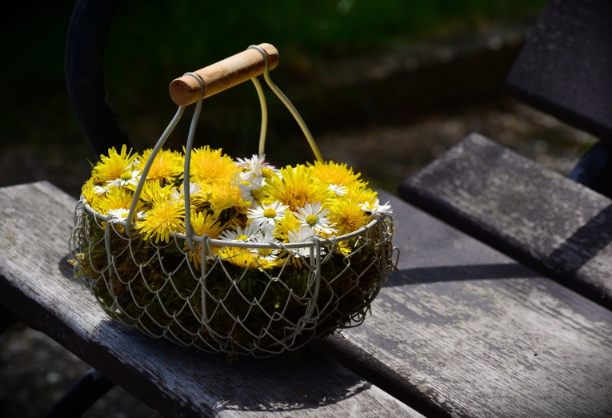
[537, 216]
[470, 332]
[36, 282]
[565, 67]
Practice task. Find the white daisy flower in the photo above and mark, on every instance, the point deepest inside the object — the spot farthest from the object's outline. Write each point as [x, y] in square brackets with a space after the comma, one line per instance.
[126, 178]
[267, 229]
[121, 214]
[314, 217]
[251, 164]
[268, 171]
[99, 190]
[256, 170]
[267, 214]
[255, 163]
[251, 194]
[246, 234]
[133, 163]
[269, 254]
[178, 194]
[251, 179]
[376, 207]
[302, 235]
[338, 189]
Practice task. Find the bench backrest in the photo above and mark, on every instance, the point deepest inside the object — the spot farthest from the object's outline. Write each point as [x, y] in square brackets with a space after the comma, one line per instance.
[565, 68]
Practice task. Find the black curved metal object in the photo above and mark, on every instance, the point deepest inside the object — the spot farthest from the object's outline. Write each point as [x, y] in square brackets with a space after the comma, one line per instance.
[594, 170]
[82, 395]
[84, 63]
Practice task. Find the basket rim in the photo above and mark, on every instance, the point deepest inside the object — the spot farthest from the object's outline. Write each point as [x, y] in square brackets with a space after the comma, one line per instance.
[316, 242]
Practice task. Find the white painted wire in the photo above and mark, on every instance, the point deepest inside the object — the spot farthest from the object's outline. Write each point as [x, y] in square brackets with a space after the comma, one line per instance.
[294, 112]
[187, 170]
[264, 116]
[145, 171]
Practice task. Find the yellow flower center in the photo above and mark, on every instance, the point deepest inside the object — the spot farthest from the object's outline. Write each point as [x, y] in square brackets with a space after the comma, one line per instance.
[265, 251]
[311, 219]
[242, 237]
[257, 194]
[269, 213]
[266, 173]
[126, 176]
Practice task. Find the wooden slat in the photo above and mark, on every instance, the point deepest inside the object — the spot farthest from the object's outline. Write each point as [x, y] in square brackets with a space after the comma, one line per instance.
[36, 282]
[537, 216]
[565, 68]
[470, 332]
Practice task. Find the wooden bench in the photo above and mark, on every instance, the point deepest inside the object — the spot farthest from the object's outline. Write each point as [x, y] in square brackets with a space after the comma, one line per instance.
[500, 305]
[460, 329]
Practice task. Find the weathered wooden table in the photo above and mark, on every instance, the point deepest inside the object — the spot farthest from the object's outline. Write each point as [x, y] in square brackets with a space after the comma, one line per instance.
[500, 305]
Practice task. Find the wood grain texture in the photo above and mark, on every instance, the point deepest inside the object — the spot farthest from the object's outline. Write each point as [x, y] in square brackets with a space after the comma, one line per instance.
[565, 68]
[37, 283]
[471, 333]
[537, 216]
[223, 75]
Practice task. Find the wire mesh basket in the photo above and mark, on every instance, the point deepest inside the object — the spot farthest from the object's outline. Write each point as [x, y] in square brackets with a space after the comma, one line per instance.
[251, 294]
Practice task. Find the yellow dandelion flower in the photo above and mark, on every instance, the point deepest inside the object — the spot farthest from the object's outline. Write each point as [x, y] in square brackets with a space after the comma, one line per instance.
[334, 173]
[200, 201]
[288, 223]
[153, 192]
[167, 166]
[88, 192]
[206, 224]
[245, 258]
[212, 167]
[224, 196]
[344, 247]
[295, 187]
[113, 200]
[111, 167]
[203, 224]
[359, 194]
[92, 193]
[162, 219]
[347, 216]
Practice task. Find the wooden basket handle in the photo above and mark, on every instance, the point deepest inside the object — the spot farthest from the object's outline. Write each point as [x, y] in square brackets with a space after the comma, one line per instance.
[223, 75]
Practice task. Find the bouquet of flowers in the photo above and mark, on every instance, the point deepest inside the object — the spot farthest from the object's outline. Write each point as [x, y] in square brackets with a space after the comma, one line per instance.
[226, 255]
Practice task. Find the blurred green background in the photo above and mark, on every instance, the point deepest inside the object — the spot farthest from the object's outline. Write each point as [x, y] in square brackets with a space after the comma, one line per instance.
[151, 43]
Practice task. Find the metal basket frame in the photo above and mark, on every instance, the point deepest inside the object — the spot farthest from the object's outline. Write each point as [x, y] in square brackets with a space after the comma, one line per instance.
[376, 235]
[95, 233]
